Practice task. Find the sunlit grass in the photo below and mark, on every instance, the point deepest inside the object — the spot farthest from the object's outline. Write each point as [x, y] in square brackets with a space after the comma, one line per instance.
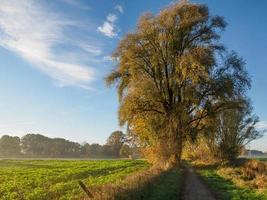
[227, 189]
[52, 179]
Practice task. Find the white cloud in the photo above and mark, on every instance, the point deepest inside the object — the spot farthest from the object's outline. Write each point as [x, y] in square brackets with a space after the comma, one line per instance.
[262, 125]
[109, 28]
[112, 18]
[77, 4]
[108, 58]
[33, 32]
[119, 8]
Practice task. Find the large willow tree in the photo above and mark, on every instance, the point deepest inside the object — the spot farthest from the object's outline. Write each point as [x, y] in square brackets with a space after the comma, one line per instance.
[173, 73]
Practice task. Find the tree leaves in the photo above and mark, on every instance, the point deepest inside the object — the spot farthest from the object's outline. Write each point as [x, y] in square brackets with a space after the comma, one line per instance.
[169, 73]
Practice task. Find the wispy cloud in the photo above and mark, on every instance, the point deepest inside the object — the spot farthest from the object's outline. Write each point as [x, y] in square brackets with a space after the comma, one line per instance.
[77, 4]
[119, 8]
[109, 27]
[262, 125]
[35, 33]
[108, 58]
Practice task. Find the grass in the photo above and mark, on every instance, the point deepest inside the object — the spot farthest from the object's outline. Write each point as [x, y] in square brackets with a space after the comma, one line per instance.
[262, 159]
[167, 186]
[226, 189]
[152, 184]
[52, 179]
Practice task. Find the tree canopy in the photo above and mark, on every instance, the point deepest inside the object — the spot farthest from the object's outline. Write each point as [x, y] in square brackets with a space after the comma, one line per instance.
[173, 74]
[9, 146]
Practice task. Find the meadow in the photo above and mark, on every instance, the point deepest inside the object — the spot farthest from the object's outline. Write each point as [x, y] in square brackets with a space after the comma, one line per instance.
[58, 179]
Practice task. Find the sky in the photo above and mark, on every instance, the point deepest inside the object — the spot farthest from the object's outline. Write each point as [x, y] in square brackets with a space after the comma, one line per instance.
[54, 56]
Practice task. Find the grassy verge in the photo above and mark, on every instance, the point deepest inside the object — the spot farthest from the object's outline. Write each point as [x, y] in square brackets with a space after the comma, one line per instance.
[226, 189]
[167, 187]
[152, 184]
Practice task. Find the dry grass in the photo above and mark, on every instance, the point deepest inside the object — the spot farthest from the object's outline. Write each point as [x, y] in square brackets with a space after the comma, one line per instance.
[253, 168]
[242, 175]
[252, 174]
[244, 179]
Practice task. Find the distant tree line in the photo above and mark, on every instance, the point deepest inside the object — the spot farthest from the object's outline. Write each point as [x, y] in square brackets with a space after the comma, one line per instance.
[40, 146]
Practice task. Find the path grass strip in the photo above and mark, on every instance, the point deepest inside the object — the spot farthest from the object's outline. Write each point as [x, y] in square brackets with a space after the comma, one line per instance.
[167, 186]
[226, 189]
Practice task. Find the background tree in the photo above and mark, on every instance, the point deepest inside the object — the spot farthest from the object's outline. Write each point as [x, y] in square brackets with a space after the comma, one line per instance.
[85, 150]
[234, 129]
[116, 141]
[95, 150]
[126, 151]
[172, 73]
[36, 145]
[40, 146]
[10, 146]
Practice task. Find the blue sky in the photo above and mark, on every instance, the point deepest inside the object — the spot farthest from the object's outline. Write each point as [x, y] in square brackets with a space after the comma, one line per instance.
[54, 55]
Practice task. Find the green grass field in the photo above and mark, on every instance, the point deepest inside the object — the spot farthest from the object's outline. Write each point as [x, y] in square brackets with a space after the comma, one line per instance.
[58, 179]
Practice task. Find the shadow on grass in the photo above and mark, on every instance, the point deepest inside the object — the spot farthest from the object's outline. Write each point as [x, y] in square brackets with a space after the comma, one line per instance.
[148, 185]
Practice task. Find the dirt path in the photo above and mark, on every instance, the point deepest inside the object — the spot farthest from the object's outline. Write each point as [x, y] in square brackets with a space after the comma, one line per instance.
[194, 188]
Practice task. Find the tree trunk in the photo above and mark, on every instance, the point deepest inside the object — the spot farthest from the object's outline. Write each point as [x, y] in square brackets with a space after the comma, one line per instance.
[175, 141]
[179, 139]
[176, 152]
[179, 149]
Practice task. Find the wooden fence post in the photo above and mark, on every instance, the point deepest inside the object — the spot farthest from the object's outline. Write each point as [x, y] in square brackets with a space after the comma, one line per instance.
[85, 189]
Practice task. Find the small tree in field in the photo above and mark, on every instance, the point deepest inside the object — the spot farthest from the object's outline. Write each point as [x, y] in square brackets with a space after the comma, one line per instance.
[125, 151]
[172, 73]
[116, 141]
